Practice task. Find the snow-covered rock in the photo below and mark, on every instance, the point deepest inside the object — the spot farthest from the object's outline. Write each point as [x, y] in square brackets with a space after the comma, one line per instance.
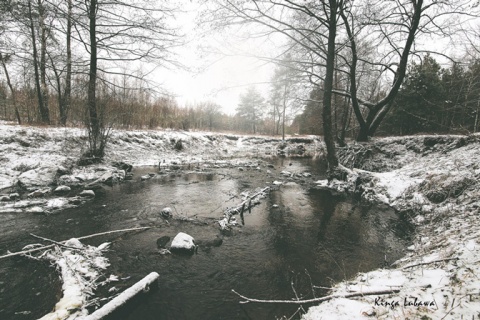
[87, 193]
[56, 203]
[35, 209]
[145, 177]
[183, 242]
[6, 182]
[62, 190]
[38, 177]
[39, 193]
[167, 212]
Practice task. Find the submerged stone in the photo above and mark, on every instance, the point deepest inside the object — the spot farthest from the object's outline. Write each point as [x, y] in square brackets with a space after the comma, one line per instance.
[162, 241]
[166, 212]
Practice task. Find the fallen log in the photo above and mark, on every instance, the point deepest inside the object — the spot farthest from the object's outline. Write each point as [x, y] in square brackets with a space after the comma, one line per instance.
[348, 295]
[122, 298]
[12, 254]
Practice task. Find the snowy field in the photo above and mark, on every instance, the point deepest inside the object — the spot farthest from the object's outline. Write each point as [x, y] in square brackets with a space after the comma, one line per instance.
[431, 180]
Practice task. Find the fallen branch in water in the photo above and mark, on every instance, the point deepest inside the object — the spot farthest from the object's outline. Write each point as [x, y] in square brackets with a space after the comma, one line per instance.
[122, 298]
[80, 269]
[322, 299]
[246, 204]
[12, 254]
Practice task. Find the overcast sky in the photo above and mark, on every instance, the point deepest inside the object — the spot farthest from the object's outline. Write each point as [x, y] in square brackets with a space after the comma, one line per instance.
[219, 76]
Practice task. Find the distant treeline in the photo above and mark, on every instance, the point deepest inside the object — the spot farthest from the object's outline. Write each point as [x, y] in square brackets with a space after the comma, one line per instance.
[432, 100]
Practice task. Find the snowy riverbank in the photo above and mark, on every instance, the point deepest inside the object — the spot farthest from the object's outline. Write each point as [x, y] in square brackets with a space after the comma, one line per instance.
[39, 170]
[435, 181]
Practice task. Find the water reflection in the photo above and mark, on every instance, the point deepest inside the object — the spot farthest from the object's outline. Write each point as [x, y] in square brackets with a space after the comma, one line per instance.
[294, 235]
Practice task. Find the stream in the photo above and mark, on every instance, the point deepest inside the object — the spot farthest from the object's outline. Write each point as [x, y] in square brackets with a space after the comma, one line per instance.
[296, 238]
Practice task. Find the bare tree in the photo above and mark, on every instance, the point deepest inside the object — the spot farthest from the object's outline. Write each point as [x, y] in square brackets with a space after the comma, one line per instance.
[311, 29]
[120, 32]
[39, 66]
[395, 28]
[4, 60]
[284, 93]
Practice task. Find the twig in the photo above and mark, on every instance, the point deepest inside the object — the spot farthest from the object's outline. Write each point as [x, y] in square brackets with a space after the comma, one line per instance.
[12, 254]
[349, 295]
[295, 313]
[236, 210]
[311, 283]
[245, 205]
[296, 296]
[52, 241]
[425, 263]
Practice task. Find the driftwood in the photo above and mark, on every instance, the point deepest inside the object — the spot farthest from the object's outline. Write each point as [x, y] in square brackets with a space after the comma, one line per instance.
[349, 295]
[246, 204]
[12, 254]
[122, 298]
[430, 262]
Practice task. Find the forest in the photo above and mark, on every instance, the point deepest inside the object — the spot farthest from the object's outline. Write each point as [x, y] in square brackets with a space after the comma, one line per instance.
[83, 63]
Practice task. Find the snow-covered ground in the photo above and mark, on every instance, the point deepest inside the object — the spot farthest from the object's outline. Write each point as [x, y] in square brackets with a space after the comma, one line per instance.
[431, 180]
[434, 182]
[39, 169]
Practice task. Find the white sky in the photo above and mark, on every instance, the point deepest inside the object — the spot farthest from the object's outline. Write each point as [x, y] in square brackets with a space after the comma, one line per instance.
[216, 77]
[221, 82]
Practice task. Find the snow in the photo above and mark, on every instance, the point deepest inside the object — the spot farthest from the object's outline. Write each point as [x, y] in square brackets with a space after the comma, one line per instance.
[80, 267]
[441, 267]
[34, 158]
[123, 297]
[340, 308]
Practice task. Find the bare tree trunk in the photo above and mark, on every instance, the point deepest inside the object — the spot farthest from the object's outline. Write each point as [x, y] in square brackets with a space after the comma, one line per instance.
[9, 83]
[328, 87]
[68, 79]
[44, 116]
[274, 118]
[43, 60]
[377, 112]
[345, 117]
[284, 108]
[93, 121]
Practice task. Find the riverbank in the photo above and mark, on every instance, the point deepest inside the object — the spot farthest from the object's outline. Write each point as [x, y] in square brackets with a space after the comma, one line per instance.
[41, 173]
[431, 180]
[434, 182]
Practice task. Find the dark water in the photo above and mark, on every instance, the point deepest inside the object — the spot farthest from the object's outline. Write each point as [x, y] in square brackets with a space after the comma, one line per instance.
[293, 239]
